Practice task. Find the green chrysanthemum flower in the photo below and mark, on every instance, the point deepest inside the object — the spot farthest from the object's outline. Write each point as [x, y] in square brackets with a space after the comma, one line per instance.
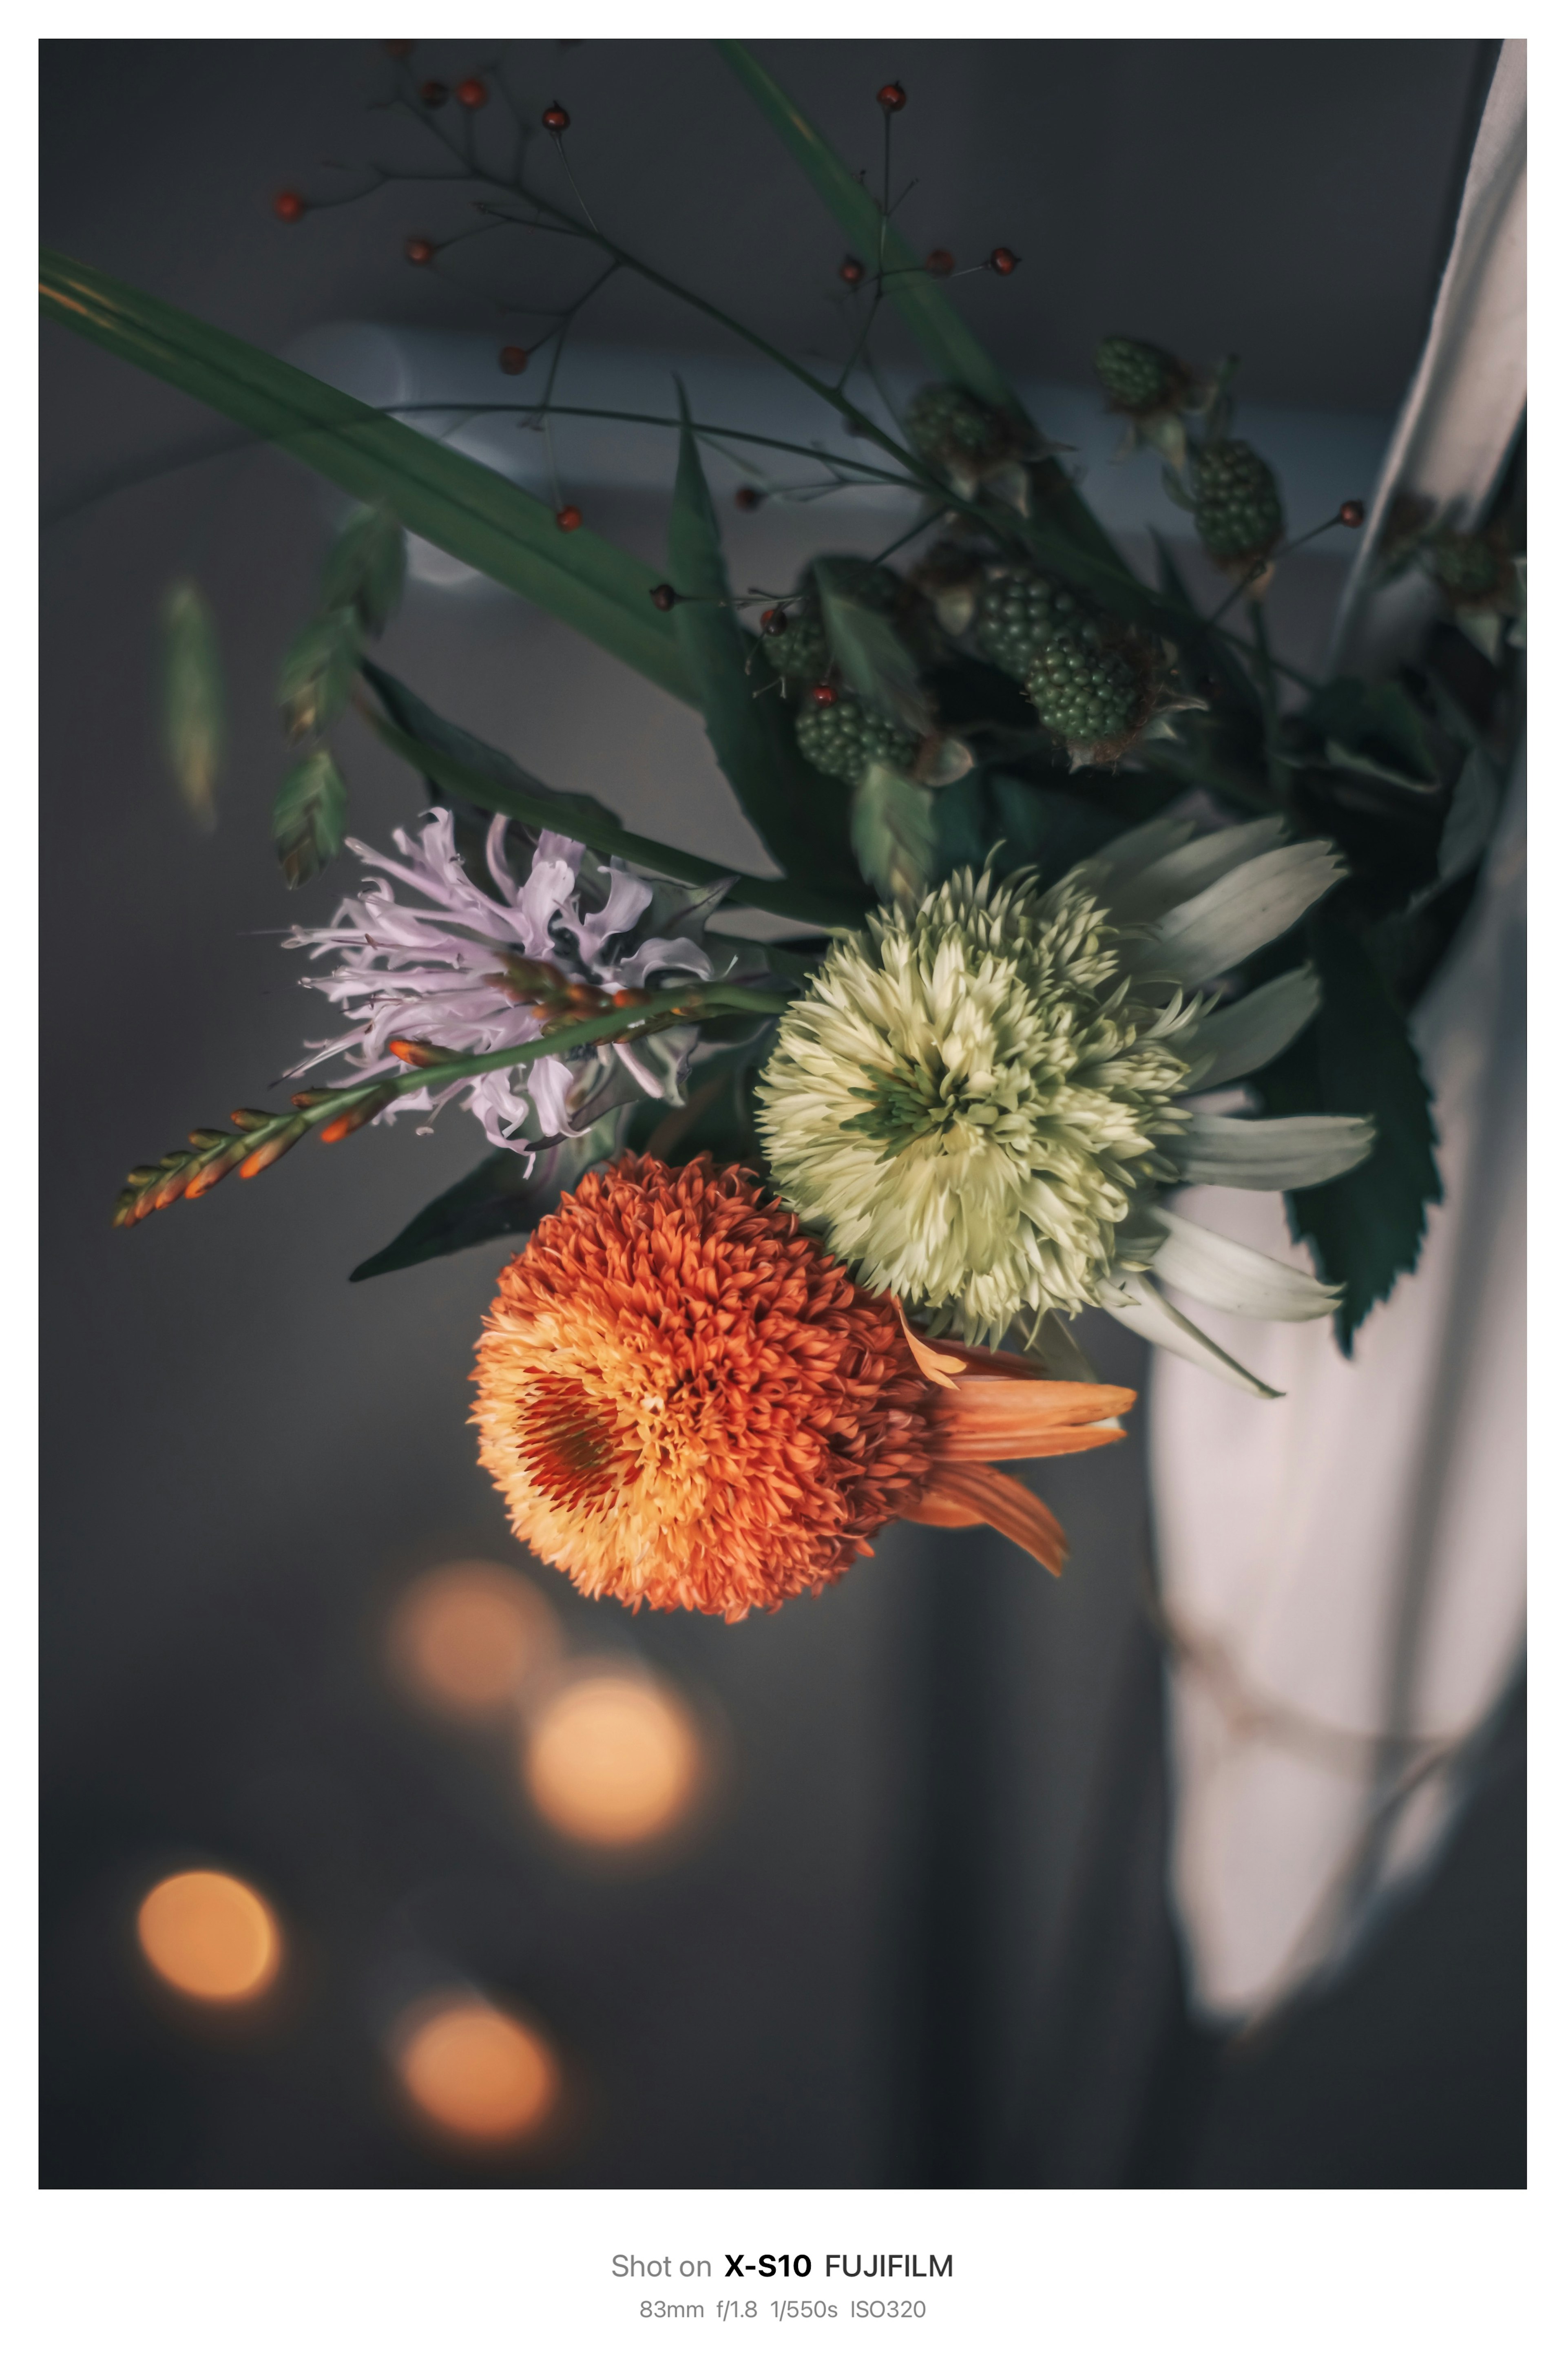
[971, 1098]
[979, 1101]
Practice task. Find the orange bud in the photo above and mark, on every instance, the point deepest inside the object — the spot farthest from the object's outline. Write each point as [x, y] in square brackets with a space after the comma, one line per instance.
[223, 1162]
[420, 1053]
[281, 1142]
[351, 1118]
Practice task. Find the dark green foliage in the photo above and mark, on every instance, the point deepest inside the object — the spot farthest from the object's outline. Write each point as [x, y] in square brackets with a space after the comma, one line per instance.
[1082, 691]
[317, 676]
[308, 817]
[718, 1119]
[365, 568]
[893, 822]
[1239, 510]
[499, 1200]
[1032, 827]
[415, 718]
[796, 812]
[194, 703]
[869, 653]
[843, 737]
[1377, 729]
[1367, 1227]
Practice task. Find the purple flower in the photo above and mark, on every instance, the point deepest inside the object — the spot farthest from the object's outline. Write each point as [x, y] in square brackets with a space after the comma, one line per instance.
[449, 967]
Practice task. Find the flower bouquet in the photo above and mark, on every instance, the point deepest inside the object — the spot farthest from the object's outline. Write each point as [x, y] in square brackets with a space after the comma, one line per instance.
[1081, 893]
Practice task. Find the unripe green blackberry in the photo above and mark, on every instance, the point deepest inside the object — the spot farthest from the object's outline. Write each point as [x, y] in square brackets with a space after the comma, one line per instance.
[1018, 610]
[1086, 694]
[1468, 567]
[1239, 511]
[800, 649]
[946, 426]
[1139, 377]
[843, 738]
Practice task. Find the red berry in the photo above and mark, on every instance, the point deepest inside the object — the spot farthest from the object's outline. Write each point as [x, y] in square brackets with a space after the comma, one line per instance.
[433, 94]
[514, 360]
[1000, 260]
[825, 695]
[774, 620]
[941, 261]
[569, 517]
[747, 499]
[555, 118]
[891, 96]
[472, 92]
[851, 271]
[287, 206]
[664, 597]
[396, 49]
[420, 251]
[1351, 515]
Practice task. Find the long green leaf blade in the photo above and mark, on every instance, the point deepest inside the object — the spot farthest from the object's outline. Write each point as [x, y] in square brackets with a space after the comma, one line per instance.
[1064, 529]
[471, 783]
[799, 813]
[946, 339]
[1367, 1227]
[455, 502]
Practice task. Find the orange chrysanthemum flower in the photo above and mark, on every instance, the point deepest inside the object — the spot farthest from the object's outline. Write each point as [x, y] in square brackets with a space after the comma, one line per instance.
[687, 1403]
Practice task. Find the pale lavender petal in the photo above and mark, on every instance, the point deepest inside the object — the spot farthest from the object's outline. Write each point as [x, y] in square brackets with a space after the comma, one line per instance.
[628, 897]
[655, 953]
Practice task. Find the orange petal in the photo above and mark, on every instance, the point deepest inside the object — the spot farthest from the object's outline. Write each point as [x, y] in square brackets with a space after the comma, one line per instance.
[1012, 1421]
[943, 1367]
[1027, 1442]
[967, 1496]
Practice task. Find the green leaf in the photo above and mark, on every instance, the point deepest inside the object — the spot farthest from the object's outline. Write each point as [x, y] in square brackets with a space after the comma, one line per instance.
[507, 788]
[1475, 803]
[1034, 827]
[1355, 1059]
[416, 719]
[1208, 653]
[318, 673]
[893, 822]
[457, 504]
[308, 817]
[718, 1119]
[194, 706]
[871, 653]
[1379, 730]
[799, 813]
[366, 567]
[499, 1200]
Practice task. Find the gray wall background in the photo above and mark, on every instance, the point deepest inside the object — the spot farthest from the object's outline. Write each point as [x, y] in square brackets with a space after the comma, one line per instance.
[871, 1968]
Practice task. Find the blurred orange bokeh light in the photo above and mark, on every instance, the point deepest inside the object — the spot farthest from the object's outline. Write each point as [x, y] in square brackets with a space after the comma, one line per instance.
[476, 2072]
[209, 1935]
[467, 1635]
[613, 1759]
